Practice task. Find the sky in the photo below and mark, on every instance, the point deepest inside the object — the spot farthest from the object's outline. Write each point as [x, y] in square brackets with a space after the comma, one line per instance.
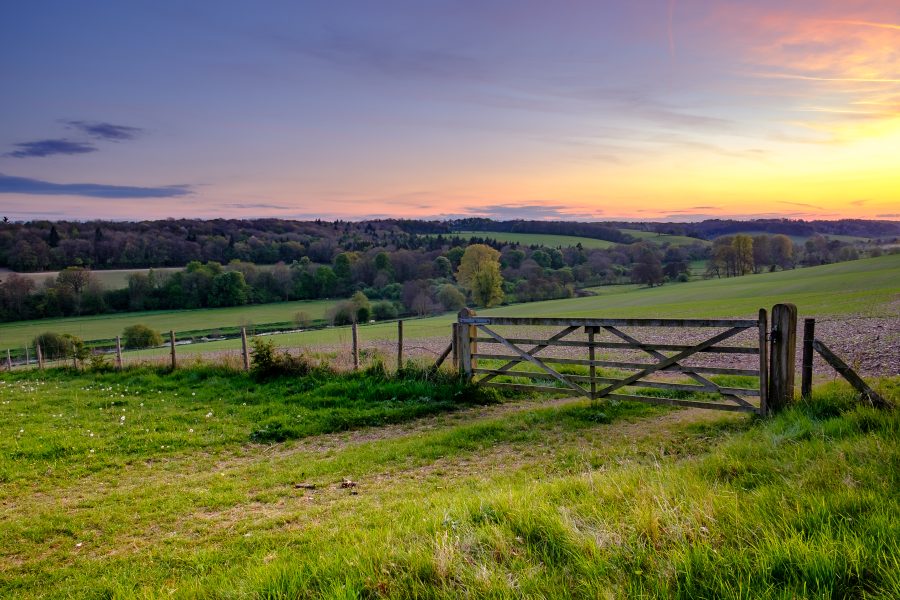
[644, 110]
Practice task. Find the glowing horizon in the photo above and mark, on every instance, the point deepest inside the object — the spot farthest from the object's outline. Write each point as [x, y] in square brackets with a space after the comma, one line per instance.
[667, 111]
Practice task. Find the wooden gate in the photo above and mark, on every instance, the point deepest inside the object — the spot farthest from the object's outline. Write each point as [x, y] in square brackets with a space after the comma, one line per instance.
[606, 377]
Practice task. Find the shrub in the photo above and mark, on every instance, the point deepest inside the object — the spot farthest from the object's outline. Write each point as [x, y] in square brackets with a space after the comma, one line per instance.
[302, 319]
[266, 361]
[100, 362]
[343, 313]
[141, 336]
[61, 345]
[382, 311]
[451, 298]
[362, 309]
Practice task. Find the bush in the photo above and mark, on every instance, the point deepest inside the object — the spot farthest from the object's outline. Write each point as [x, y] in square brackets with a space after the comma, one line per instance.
[266, 361]
[60, 345]
[343, 313]
[302, 319]
[141, 336]
[451, 298]
[382, 311]
[100, 363]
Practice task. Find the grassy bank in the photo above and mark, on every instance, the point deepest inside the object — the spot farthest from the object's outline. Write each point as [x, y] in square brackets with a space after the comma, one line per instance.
[522, 498]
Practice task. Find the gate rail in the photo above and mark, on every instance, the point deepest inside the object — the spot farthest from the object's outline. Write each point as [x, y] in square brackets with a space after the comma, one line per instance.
[473, 330]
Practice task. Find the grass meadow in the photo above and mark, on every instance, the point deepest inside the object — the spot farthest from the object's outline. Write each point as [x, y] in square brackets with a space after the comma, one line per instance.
[110, 279]
[151, 484]
[19, 333]
[554, 241]
[538, 239]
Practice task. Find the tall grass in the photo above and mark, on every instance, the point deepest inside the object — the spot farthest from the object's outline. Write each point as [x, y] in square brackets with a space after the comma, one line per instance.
[566, 500]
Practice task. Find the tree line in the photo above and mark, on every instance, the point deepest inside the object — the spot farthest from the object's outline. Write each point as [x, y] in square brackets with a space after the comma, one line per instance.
[397, 272]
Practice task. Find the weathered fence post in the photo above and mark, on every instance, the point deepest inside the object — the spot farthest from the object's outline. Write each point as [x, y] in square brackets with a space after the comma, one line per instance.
[784, 353]
[454, 341]
[399, 344]
[467, 346]
[118, 353]
[806, 368]
[40, 356]
[354, 329]
[763, 362]
[592, 356]
[244, 354]
[172, 346]
[8, 360]
[27, 357]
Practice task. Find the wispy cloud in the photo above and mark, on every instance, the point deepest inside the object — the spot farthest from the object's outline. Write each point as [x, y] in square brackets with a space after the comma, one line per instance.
[803, 204]
[381, 57]
[258, 205]
[530, 211]
[106, 131]
[25, 185]
[42, 148]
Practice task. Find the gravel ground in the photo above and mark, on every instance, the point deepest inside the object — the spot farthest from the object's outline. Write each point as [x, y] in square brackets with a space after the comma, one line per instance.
[871, 345]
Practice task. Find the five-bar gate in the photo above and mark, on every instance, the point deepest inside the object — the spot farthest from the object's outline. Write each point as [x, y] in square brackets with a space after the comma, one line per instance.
[664, 365]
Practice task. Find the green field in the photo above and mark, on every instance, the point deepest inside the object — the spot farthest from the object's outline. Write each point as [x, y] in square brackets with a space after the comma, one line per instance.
[110, 279]
[868, 286]
[148, 484]
[562, 241]
[541, 239]
[656, 238]
[19, 333]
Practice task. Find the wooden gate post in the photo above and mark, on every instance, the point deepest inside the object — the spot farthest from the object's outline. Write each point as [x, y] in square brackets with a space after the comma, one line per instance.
[355, 332]
[118, 353]
[8, 360]
[467, 345]
[454, 348]
[172, 346]
[592, 356]
[399, 344]
[40, 356]
[763, 362]
[245, 355]
[27, 357]
[784, 353]
[806, 368]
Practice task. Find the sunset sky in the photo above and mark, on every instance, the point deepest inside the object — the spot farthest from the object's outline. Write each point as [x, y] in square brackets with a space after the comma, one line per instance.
[645, 110]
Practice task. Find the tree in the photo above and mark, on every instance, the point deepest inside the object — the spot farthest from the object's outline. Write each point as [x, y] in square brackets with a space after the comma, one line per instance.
[228, 289]
[782, 250]
[141, 336]
[648, 269]
[362, 308]
[53, 238]
[743, 254]
[384, 310]
[479, 273]
[451, 298]
[442, 267]
[541, 257]
[762, 252]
